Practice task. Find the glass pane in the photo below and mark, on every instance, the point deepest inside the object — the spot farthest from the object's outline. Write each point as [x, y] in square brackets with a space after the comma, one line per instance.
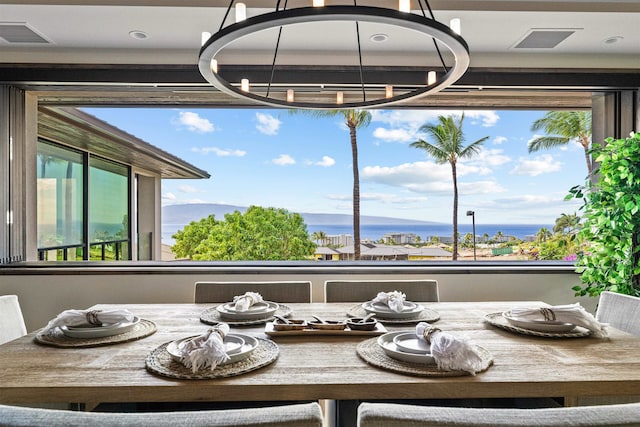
[108, 203]
[60, 189]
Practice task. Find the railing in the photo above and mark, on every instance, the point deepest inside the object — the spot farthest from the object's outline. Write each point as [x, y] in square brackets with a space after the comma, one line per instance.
[98, 251]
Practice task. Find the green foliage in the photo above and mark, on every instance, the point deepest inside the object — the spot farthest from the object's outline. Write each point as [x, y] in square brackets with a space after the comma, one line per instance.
[257, 235]
[611, 261]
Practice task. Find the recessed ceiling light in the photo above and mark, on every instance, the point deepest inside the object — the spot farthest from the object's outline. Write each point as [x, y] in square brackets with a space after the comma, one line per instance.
[139, 35]
[612, 40]
[379, 38]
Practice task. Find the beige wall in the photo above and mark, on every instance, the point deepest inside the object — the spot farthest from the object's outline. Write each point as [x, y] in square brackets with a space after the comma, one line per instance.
[42, 297]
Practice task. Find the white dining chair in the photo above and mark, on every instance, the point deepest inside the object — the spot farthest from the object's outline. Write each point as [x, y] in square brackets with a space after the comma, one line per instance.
[620, 311]
[301, 415]
[365, 290]
[285, 291]
[11, 320]
[401, 415]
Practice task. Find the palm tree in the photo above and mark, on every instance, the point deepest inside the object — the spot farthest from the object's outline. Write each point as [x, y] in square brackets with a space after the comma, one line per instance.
[566, 223]
[543, 234]
[563, 127]
[448, 146]
[354, 119]
[320, 237]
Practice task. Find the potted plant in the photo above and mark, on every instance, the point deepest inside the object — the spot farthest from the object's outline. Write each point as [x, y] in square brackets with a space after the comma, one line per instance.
[610, 258]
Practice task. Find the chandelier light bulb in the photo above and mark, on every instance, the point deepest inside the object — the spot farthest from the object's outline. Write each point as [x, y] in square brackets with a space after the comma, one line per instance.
[431, 78]
[214, 65]
[388, 91]
[244, 85]
[205, 36]
[455, 26]
[404, 6]
[339, 98]
[290, 95]
[241, 12]
[318, 3]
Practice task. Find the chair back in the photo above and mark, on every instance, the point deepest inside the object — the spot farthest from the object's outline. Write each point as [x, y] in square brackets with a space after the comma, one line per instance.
[270, 291]
[401, 415]
[366, 290]
[298, 415]
[11, 321]
[620, 311]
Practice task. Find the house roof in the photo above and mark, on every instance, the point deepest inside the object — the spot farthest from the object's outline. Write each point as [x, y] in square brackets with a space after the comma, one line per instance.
[75, 128]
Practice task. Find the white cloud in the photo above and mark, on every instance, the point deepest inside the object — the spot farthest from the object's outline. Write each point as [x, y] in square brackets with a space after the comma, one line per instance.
[219, 151]
[194, 122]
[169, 197]
[386, 198]
[536, 166]
[427, 177]
[267, 124]
[188, 189]
[326, 162]
[488, 157]
[394, 135]
[283, 160]
[416, 118]
[499, 140]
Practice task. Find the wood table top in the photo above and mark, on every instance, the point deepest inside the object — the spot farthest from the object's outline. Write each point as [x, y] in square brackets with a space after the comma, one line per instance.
[320, 367]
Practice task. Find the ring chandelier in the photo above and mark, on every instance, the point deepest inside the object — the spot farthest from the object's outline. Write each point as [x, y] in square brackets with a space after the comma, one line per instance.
[356, 90]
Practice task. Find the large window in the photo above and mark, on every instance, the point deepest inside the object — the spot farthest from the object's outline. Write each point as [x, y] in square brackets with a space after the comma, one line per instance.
[81, 215]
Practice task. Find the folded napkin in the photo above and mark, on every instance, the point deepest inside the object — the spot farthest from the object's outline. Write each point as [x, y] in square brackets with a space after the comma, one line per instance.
[243, 302]
[206, 350]
[394, 300]
[570, 313]
[89, 317]
[451, 353]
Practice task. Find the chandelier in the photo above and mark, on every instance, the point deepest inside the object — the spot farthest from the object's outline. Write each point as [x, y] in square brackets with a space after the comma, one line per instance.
[338, 56]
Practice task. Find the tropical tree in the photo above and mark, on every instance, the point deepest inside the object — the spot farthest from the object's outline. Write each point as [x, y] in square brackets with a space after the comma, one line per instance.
[448, 147]
[499, 236]
[354, 120]
[257, 234]
[566, 223]
[563, 127]
[543, 234]
[320, 237]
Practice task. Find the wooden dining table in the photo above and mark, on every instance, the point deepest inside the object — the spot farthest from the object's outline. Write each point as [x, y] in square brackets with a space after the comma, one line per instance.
[313, 367]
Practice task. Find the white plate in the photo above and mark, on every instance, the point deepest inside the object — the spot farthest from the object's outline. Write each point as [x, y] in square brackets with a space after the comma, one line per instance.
[539, 325]
[257, 307]
[271, 308]
[411, 309]
[90, 331]
[391, 349]
[249, 344]
[410, 343]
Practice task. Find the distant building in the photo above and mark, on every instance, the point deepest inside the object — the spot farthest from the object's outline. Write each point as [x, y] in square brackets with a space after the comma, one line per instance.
[400, 238]
[379, 252]
[339, 240]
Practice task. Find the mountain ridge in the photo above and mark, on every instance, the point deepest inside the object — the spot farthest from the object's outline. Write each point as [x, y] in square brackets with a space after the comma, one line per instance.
[185, 213]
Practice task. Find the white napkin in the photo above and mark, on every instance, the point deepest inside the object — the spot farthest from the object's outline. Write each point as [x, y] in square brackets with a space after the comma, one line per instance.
[394, 300]
[570, 313]
[206, 350]
[451, 353]
[243, 302]
[89, 317]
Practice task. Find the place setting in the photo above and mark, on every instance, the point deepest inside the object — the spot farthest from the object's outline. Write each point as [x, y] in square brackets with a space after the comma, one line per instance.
[425, 351]
[217, 353]
[561, 321]
[392, 307]
[92, 328]
[247, 309]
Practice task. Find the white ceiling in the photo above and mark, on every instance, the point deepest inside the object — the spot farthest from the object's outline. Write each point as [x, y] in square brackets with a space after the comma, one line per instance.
[97, 32]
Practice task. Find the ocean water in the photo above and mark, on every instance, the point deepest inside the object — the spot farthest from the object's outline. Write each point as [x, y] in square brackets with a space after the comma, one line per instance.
[425, 231]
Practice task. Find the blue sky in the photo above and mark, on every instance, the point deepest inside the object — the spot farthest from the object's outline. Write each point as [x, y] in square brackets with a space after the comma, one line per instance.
[303, 164]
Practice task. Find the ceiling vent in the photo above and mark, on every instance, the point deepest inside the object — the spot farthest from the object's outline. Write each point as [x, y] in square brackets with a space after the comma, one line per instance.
[544, 38]
[20, 32]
